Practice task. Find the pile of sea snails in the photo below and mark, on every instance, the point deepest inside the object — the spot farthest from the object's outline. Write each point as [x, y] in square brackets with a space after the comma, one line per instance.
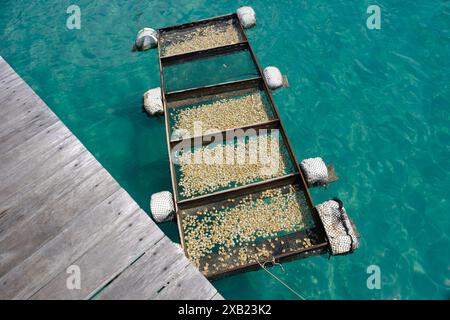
[223, 114]
[232, 231]
[203, 37]
[210, 168]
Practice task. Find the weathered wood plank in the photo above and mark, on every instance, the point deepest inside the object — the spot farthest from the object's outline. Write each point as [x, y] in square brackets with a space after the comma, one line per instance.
[162, 273]
[12, 100]
[9, 77]
[31, 150]
[24, 130]
[5, 70]
[34, 146]
[45, 195]
[39, 168]
[13, 88]
[49, 218]
[190, 284]
[24, 106]
[21, 116]
[107, 259]
[20, 104]
[76, 238]
[159, 266]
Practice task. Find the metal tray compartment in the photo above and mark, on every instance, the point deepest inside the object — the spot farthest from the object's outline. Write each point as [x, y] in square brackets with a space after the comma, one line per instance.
[198, 36]
[226, 66]
[238, 105]
[255, 155]
[241, 232]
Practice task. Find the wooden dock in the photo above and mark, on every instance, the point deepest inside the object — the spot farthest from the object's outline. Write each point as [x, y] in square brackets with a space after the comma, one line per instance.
[59, 207]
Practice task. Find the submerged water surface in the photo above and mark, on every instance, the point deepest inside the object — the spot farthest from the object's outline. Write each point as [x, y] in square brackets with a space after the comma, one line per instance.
[376, 103]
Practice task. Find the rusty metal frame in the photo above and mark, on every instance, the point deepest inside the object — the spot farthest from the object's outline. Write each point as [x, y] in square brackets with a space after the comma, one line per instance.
[297, 177]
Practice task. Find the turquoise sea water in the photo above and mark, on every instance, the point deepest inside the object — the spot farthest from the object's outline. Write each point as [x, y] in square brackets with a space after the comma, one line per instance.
[376, 103]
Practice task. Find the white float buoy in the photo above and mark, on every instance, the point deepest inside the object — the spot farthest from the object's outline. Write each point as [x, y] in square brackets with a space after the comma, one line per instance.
[146, 38]
[315, 170]
[338, 227]
[153, 104]
[162, 207]
[247, 16]
[274, 78]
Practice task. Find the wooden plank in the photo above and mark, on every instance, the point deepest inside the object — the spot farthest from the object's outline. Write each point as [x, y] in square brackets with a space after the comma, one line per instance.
[32, 150]
[11, 84]
[13, 88]
[25, 106]
[149, 275]
[39, 168]
[76, 238]
[34, 146]
[14, 110]
[3, 62]
[14, 91]
[189, 285]
[162, 273]
[9, 79]
[34, 198]
[111, 256]
[15, 95]
[24, 130]
[5, 70]
[5, 73]
[48, 219]
[22, 107]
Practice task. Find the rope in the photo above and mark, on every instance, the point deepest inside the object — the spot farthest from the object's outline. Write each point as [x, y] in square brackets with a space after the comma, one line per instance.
[275, 264]
[278, 279]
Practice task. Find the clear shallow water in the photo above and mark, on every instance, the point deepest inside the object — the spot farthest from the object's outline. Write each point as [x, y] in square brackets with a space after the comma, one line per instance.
[375, 103]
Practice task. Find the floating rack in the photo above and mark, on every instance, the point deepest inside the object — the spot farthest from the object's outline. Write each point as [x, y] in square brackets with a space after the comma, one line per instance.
[173, 98]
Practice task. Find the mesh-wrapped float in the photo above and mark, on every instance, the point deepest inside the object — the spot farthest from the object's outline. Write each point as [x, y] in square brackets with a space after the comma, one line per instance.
[338, 227]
